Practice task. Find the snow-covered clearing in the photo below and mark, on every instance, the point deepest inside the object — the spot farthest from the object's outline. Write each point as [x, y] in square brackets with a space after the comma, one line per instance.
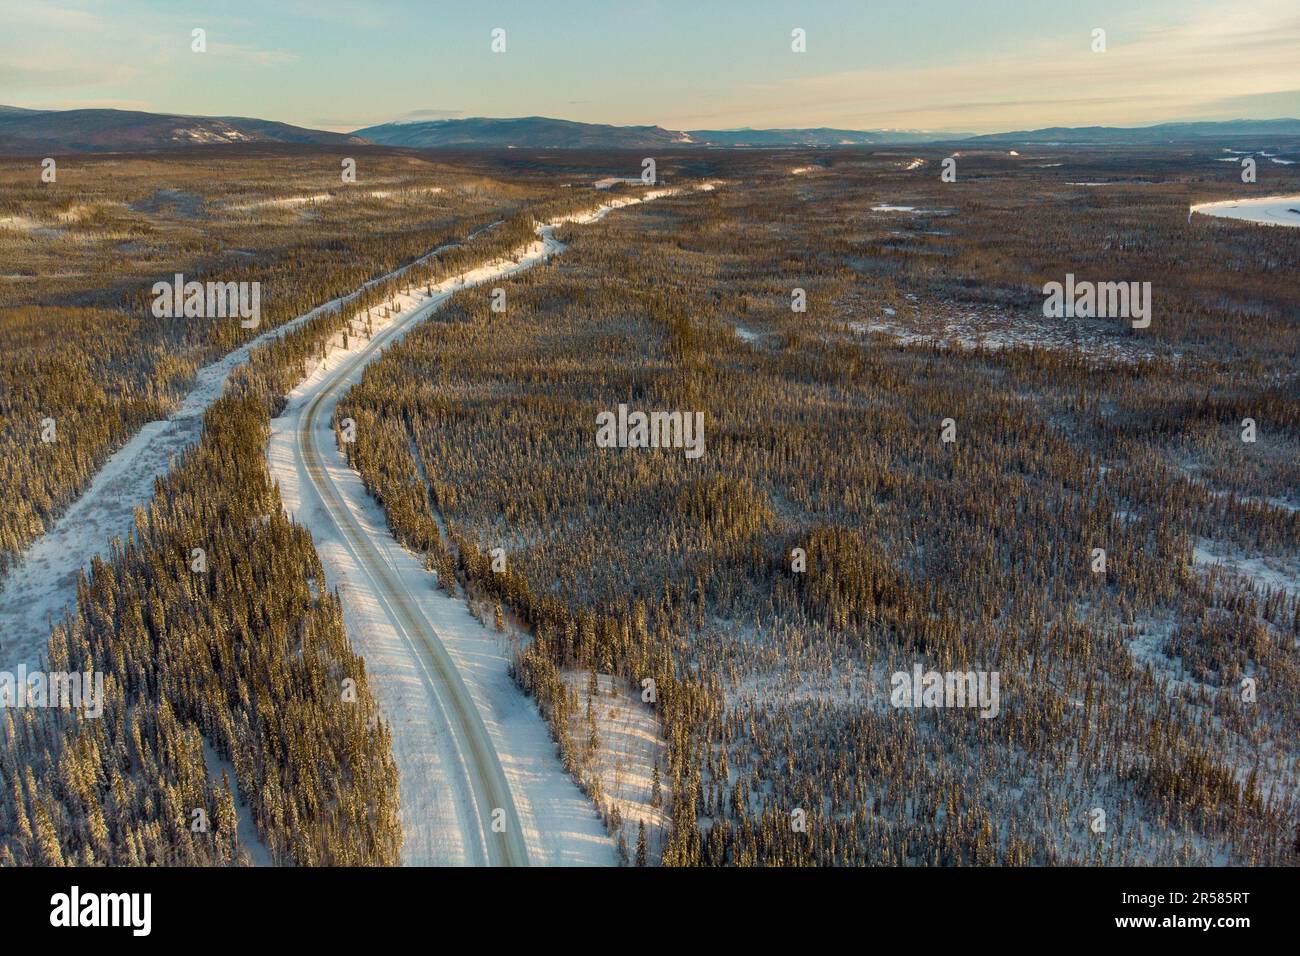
[288, 202]
[29, 226]
[996, 330]
[609, 182]
[221, 772]
[1268, 210]
[403, 192]
[19, 223]
[1274, 574]
[629, 746]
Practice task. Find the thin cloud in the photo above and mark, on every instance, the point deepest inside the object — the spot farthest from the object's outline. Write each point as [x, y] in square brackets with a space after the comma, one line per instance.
[45, 72]
[1142, 77]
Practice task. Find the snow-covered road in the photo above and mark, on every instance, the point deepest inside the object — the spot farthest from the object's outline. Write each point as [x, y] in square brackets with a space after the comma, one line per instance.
[471, 750]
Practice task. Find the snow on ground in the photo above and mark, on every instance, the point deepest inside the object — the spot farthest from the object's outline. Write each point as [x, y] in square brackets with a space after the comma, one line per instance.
[26, 224]
[747, 335]
[440, 822]
[287, 202]
[222, 771]
[1276, 574]
[1268, 210]
[790, 686]
[19, 223]
[547, 231]
[404, 191]
[629, 745]
[886, 207]
[800, 170]
[610, 182]
[44, 581]
[1146, 640]
[995, 330]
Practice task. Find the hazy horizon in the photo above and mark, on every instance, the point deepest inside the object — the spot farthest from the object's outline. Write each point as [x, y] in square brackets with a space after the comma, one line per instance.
[941, 66]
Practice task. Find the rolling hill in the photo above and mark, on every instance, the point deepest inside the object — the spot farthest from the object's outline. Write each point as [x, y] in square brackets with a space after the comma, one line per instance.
[537, 132]
[1148, 135]
[105, 130]
[26, 131]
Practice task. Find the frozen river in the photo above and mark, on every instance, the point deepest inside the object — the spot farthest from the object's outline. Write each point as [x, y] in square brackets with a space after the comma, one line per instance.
[1270, 210]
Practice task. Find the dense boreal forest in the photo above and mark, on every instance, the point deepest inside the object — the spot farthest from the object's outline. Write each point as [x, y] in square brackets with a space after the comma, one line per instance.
[82, 349]
[231, 687]
[247, 659]
[828, 537]
[1121, 687]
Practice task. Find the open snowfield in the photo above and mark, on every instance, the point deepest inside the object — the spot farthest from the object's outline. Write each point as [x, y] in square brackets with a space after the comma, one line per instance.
[1268, 210]
[630, 746]
[1265, 574]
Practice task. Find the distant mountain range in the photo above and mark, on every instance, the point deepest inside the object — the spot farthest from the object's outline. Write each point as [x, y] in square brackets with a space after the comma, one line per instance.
[821, 136]
[93, 131]
[1146, 135]
[539, 132]
[102, 130]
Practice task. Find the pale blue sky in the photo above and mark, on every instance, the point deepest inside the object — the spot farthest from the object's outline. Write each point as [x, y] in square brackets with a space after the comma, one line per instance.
[968, 65]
